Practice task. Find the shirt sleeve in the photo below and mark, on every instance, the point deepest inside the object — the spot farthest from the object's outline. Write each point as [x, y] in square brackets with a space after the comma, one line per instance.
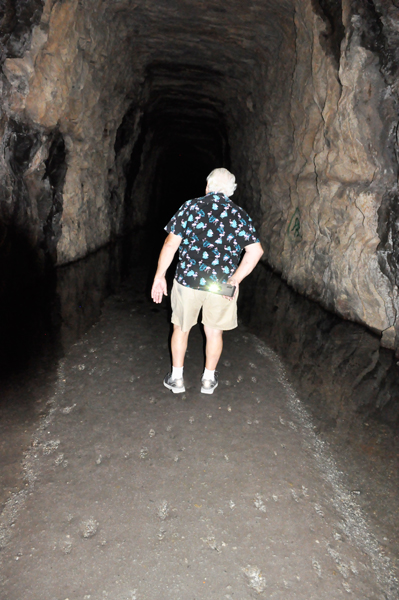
[178, 222]
[247, 232]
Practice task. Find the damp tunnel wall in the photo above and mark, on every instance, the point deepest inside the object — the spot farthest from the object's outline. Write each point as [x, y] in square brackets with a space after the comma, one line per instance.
[298, 97]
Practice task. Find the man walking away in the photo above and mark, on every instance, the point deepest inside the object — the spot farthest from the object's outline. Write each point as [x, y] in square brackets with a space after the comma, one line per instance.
[210, 232]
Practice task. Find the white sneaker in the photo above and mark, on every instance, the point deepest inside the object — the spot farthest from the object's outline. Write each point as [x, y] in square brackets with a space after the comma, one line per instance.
[209, 385]
[175, 385]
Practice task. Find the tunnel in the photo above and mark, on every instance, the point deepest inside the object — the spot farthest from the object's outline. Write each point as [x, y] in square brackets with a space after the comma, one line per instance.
[298, 99]
[113, 114]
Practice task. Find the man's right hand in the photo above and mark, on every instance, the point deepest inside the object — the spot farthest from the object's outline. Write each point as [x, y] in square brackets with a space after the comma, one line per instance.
[159, 288]
[168, 251]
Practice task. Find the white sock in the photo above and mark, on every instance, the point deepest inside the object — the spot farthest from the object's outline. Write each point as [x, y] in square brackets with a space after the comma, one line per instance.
[208, 375]
[177, 372]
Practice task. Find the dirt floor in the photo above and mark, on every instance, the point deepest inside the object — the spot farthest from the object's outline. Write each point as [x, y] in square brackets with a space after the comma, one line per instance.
[129, 492]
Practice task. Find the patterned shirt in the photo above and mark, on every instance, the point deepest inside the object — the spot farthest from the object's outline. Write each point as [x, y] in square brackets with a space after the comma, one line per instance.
[214, 232]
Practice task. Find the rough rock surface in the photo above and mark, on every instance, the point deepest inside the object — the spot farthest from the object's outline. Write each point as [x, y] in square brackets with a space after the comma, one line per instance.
[341, 166]
[298, 96]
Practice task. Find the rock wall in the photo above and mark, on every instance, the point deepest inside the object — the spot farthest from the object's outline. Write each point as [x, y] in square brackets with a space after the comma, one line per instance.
[335, 169]
[298, 96]
[64, 86]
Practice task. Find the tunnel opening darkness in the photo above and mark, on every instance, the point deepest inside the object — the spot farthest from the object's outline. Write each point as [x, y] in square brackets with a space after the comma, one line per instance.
[183, 137]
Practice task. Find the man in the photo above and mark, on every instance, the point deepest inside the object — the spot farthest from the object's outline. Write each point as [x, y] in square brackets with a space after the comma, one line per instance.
[210, 233]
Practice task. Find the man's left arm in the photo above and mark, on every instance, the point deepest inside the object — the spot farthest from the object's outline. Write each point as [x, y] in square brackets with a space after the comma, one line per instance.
[159, 287]
[253, 253]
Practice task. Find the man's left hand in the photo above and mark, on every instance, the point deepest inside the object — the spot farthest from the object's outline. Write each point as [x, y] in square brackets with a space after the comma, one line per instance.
[232, 281]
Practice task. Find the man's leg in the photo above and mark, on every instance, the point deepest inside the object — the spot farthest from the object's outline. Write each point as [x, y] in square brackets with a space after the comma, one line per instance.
[213, 350]
[174, 381]
[178, 346]
[214, 347]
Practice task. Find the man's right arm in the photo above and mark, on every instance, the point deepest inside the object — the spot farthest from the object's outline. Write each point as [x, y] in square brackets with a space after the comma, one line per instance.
[168, 251]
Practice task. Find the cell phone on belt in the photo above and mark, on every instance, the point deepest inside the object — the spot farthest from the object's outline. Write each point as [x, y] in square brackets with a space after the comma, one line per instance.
[224, 289]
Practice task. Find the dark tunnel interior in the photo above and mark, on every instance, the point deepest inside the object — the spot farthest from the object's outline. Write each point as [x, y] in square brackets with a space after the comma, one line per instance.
[187, 134]
[180, 142]
[188, 140]
[182, 137]
[169, 139]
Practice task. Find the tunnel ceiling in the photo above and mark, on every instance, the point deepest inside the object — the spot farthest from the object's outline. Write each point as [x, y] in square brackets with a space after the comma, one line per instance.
[194, 54]
[183, 102]
[229, 37]
[198, 60]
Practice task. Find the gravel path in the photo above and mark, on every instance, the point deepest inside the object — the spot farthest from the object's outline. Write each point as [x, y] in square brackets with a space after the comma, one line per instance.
[133, 493]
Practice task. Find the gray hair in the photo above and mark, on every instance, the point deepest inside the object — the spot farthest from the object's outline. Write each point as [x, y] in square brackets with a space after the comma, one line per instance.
[221, 180]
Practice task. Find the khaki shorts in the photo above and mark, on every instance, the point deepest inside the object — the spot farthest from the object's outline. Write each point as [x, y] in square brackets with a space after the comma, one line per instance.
[217, 312]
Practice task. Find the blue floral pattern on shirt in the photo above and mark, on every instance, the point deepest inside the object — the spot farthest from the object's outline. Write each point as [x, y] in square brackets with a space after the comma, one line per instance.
[214, 231]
